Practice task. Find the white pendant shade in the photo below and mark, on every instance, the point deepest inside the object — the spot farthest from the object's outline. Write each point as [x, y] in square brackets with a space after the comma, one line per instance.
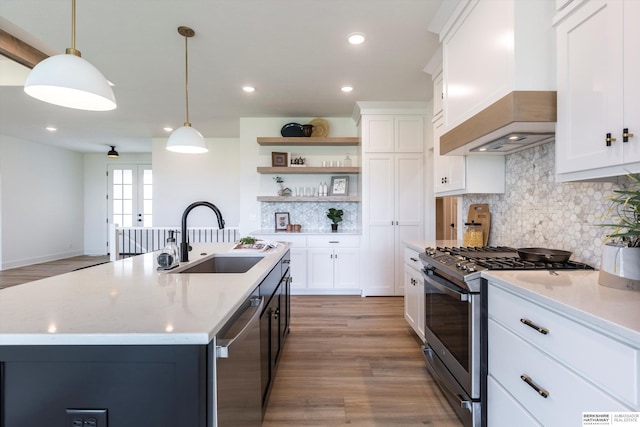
[186, 140]
[70, 81]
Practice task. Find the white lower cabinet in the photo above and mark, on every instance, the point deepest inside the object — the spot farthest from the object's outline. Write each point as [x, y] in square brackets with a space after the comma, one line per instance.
[333, 264]
[548, 368]
[298, 253]
[503, 409]
[414, 301]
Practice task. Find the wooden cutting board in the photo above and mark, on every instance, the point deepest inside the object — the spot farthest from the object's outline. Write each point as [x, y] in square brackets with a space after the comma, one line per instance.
[479, 214]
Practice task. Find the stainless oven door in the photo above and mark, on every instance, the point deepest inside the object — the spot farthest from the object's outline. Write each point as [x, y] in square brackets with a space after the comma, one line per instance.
[452, 329]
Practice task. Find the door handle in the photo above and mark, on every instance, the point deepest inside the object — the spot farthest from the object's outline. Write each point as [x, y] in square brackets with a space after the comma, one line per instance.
[626, 135]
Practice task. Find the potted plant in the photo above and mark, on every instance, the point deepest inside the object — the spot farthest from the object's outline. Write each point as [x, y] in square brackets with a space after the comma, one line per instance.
[282, 191]
[335, 215]
[620, 266]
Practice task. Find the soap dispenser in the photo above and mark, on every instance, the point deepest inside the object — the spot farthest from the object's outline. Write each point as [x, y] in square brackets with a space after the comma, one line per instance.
[169, 258]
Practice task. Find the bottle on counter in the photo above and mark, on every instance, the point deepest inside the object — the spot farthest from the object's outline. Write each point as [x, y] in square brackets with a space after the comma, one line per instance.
[347, 161]
[169, 258]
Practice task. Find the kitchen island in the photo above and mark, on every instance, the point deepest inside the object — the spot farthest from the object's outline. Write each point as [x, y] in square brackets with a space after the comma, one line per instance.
[123, 336]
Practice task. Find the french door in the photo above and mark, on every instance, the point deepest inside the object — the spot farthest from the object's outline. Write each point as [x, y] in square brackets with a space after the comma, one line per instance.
[130, 195]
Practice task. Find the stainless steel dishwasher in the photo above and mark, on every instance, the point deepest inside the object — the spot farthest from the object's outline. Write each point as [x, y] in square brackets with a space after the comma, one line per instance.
[239, 401]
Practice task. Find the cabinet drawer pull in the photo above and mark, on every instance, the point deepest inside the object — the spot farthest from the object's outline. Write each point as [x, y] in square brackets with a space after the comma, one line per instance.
[334, 241]
[413, 259]
[529, 323]
[286, 261]
[542, 392]
[626, 135]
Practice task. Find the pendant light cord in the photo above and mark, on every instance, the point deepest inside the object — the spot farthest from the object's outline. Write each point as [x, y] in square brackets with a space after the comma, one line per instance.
[186, 77]
[72, 50]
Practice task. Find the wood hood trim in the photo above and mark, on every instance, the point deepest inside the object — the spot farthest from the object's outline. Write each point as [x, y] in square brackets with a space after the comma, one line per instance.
[19, 51]
[518, 106]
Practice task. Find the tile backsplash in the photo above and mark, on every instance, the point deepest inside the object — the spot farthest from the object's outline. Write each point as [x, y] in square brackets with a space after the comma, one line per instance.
[311, 215]
[536, 211]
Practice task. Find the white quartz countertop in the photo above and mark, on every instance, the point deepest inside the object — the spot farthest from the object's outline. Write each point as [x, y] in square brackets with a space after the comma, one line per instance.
[578, 294]
[128, 302]
[420, 245]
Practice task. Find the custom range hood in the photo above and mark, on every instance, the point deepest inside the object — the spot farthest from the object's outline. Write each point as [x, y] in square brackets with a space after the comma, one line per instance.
[521, 119]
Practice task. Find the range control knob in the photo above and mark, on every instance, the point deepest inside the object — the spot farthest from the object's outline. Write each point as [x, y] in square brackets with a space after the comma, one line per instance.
[471, 268]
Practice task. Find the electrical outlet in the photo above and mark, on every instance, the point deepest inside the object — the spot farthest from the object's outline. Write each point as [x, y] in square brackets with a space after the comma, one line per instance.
[87, 418]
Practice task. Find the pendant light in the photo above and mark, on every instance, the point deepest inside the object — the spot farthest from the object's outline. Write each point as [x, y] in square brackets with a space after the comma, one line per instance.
[186, 139]
[70, 81]
[113, 153]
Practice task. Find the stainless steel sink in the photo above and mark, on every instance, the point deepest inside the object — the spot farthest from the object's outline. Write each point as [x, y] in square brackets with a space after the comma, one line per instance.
[223, 264]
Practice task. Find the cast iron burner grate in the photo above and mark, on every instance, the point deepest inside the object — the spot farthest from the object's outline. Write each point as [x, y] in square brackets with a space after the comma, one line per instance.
[501, 258]
[515, 263]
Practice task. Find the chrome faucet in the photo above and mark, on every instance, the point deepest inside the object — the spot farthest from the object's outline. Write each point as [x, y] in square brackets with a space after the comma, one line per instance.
[184, 244]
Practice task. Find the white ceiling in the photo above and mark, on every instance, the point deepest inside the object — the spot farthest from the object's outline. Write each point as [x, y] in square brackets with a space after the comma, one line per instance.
[293, 51]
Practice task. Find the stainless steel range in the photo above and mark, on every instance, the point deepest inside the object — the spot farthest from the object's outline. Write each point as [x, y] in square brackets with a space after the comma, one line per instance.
[455, 311]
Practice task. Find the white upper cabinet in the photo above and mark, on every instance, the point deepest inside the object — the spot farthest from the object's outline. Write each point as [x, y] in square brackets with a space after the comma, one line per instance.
[494, 47]
[393, 134]
[598, 90]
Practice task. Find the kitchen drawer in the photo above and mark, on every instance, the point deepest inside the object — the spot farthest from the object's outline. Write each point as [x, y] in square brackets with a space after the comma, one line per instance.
[333, 241]
[607, 362]
[569, 394]
[503, 410]
[411, 259]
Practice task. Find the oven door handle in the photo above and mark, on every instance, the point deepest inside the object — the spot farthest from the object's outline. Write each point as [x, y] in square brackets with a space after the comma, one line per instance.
[445, 289]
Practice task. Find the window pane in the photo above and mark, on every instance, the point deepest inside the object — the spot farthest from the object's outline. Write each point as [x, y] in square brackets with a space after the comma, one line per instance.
[117, 176]
[117, 219]
[117, 192]
[127, 176]
[127, 221]
[127, 207]
[147, 207]
[117, 207]
[147, 192]
[148, 177]
[147, 221]
[127, 192]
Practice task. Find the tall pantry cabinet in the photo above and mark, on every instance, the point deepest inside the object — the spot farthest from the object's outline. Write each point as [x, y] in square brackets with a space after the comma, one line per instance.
[392, 193]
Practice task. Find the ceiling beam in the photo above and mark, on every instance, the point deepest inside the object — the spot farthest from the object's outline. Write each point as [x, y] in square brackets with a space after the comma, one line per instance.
[19, 51]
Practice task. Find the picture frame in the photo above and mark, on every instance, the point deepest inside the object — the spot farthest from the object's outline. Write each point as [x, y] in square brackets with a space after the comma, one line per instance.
[282, 220]
[279, 159]
[339, 186]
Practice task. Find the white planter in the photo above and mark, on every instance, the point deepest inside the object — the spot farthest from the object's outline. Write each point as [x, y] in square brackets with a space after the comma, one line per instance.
[620, 267]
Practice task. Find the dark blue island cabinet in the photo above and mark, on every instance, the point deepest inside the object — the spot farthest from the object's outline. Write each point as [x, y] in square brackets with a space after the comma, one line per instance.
[160, 386]
[135, 385]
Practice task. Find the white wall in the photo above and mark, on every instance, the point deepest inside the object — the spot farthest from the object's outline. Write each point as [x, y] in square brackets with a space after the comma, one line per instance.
[253, 155]
[95, 200]
[41, 200]
[181, 179]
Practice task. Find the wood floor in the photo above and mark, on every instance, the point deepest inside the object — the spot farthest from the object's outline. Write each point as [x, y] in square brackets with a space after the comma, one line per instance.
[354, 361]
[17, 276]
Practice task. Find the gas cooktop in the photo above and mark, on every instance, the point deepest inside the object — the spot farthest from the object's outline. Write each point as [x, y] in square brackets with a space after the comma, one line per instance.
[466, 263]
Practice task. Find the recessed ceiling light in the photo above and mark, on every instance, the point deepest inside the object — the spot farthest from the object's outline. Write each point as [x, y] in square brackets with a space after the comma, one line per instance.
[346, 89]
[356, 38]
[168, 129]
[248, 88]
[51, 128]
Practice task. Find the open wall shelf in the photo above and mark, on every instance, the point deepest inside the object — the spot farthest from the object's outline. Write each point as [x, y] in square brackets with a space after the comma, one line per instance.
[308, 170]
[310, 141]
[308, 199]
